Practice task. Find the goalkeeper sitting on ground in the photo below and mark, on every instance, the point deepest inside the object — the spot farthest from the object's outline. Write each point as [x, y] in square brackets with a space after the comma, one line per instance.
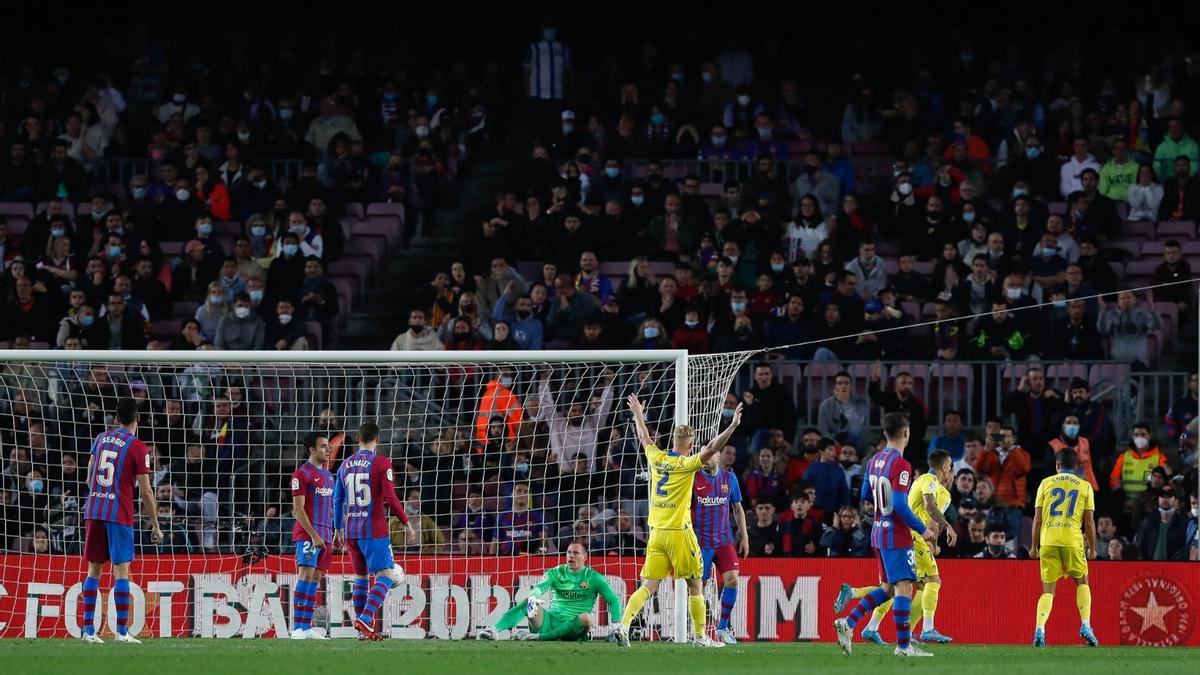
[568, 616]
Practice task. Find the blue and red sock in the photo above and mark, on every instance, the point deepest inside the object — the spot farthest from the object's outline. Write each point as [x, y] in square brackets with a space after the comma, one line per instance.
[728, 600]
[870, 601]
[305, 598]
[123, 600]
[361, 586]
[375, 600]
[901, 607]
[91, 589]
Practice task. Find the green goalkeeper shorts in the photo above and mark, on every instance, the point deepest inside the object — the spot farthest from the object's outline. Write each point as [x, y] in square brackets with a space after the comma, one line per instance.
[551, 622]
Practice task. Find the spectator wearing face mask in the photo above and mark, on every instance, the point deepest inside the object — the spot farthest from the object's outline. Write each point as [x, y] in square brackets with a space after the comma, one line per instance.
[214, 309]
[994, 544]
[1133, 466]
[418, 337]
[284, 330]
[1162, 535]
[499, 400]
[242, 328]
[286, 273]
[1070, 438]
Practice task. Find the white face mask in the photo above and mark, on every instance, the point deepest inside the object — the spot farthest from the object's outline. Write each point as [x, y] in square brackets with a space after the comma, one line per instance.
[1141, 442]
[241, 312]
[904, 188]
[743, 100]
[285, 318]
[1013, 293]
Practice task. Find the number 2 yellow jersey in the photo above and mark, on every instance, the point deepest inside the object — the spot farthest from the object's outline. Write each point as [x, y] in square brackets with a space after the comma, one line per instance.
[1063, 499]
[927, 484]
[671, 478]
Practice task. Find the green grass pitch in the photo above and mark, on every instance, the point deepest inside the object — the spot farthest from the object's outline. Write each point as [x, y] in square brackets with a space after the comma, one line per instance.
[212, 657]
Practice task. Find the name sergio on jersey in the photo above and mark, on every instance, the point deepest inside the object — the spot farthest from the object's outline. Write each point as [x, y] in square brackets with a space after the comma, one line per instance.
[119, 442]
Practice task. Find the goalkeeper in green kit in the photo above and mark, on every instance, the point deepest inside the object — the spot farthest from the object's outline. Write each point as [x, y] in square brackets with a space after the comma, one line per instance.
[568, 616]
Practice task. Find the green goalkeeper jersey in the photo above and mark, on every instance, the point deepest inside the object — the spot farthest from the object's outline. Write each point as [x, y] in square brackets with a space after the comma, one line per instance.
[575, 592]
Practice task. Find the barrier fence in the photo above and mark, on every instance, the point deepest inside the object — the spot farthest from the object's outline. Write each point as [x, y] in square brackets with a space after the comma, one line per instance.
[785, 600]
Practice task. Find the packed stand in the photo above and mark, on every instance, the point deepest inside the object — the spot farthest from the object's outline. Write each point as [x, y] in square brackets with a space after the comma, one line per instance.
[154, 197]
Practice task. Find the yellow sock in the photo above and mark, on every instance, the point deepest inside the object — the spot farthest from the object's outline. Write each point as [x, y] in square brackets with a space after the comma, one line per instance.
[880, 612]
[914, 613]
[929, 601]
[639, 598]
[696, 607]
[1083, 600]
[1045, 604]
[860, 593]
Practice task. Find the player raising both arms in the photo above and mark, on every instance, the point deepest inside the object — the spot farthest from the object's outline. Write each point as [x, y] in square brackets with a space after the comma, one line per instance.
[886, 486]
[672, 546]
[1065, 504]
[118, 461]
[568, 618]
[715, 495]
[364, 486]
[929, 498]
[312, 507]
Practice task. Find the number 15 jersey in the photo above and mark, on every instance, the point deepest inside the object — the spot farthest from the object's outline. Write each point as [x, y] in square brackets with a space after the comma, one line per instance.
[1063, 498]
[671, 478]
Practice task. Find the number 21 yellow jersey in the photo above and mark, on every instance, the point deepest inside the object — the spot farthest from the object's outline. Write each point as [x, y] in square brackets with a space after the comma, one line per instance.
[1063, 498]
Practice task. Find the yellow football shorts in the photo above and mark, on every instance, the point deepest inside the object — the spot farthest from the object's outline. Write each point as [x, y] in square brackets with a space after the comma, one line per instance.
[926, 563]
[670, 551]
[1058, 562]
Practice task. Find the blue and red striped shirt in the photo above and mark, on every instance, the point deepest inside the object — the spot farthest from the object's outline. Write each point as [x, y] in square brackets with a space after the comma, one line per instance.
[117, 459]
[712, 497]
[315, 484]
[886, 484]
[364, 486]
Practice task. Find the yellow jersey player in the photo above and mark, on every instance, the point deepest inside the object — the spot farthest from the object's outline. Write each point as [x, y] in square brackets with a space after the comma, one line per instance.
[672, 547]
[928, 498]
[1065, 505]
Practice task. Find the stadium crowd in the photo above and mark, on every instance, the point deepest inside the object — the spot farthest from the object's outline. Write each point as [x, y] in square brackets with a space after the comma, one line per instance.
[983, 188]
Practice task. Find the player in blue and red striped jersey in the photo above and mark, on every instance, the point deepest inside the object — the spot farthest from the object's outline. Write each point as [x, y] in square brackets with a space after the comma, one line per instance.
[886, 486]
[118, 461]
[714, 495]
[312, 507]
[363, 488]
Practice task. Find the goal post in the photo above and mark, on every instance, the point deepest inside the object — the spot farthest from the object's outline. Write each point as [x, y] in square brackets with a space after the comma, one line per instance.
[501, 457]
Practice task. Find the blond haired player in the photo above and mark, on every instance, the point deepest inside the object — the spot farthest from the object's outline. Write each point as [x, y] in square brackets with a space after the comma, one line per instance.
[1065, 505]
[672, 546]
[928, 498]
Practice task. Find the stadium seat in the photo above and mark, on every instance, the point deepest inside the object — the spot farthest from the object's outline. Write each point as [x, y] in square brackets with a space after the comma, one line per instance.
[818, 385]
[1176, 229]
[184, 308]
[371, 246]
[860, 376]
[1169, 312]
[171, 248]
[1059, 375]
[68, 209]
[385, 209]
[314, 333]
[1102, 373]
[355, 210]
[1138, 228]
[16, 225]
[1126, 248]
[1059, 208]
[1122, 210]
[1011, 376]
[950, 385]
[18, 209]
[390, 228]
[228, 228]
[1153, 248]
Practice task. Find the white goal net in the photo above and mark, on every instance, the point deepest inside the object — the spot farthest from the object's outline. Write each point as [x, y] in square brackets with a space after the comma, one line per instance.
[500, 459]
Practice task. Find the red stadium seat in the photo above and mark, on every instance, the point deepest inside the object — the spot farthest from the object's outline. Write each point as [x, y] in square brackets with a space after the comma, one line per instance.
[18, 209]
[1138, 228]
[950, 385]
[1102, 373]
[1059, 375]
